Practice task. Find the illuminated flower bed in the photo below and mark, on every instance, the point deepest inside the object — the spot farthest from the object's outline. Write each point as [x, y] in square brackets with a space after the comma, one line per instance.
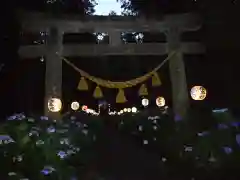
[43, 149]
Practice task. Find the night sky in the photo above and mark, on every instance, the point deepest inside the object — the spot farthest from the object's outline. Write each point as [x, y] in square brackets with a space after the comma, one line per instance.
[22, 81]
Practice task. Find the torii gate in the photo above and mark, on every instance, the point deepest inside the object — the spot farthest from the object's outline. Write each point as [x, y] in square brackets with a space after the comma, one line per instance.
[171, 25]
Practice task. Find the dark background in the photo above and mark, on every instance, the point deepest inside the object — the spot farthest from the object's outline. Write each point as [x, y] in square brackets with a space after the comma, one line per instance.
[22, 81]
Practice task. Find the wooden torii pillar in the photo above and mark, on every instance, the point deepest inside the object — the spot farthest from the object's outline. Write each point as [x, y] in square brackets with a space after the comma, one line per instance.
[53, 73]
[172, 26]
[180, 94]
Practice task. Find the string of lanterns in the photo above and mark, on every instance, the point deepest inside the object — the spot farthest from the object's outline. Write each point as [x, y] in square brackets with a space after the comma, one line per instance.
[197, 93]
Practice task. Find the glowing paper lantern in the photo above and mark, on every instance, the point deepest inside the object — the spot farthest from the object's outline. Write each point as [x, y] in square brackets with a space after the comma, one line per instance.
[145, 102]
[75, 106]
[198, 93]
[84, 108]
[134, 109]
[54, 104]
[160, 101]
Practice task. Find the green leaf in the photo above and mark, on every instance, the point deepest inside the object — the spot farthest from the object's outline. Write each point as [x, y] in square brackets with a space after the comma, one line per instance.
[23, 127]
[25, 140]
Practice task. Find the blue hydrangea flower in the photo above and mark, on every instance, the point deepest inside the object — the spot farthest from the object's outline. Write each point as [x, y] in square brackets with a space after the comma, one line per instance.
[62, 154]
[227, 150]
[47, 170]
[44, 118]
[235, 124]
[51, 129]
[5, 137]
[222, 126]
[204, 133]
[238, 139]
[20, 116]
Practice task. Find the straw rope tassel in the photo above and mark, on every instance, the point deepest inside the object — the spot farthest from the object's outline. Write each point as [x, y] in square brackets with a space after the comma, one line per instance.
[97, 93]
[143, 90]
[156, 81]
[121, 96]
[82, 85]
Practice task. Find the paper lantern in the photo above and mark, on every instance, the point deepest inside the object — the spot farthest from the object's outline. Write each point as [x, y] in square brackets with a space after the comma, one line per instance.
[145, 102]
[84, 108]
[54, 104]
[198, 93]
[75, 106]
[160, 101]
[134, 109]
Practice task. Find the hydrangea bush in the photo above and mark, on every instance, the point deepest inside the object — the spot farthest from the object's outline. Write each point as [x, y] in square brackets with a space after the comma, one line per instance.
[39, 148]
[195, 146]
[44, 149]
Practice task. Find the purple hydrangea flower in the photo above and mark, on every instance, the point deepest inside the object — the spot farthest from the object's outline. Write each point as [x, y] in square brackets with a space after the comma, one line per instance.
[222, 126]
[238, 139]
[204, 133]
[47, 170]
[19, 116]
[62, 154]
[227, 150]
[5, 137]
[44, 118]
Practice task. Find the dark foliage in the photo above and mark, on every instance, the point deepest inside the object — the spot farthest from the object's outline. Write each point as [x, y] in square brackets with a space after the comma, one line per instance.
[156, 8]
[58, 6]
